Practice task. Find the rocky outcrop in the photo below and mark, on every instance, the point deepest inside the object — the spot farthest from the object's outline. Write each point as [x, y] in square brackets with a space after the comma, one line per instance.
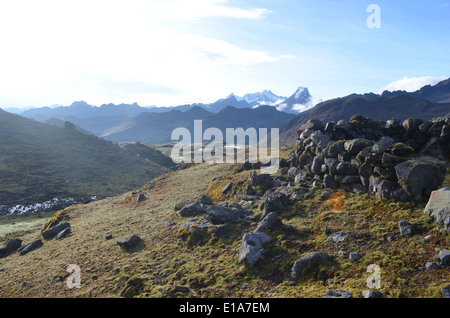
[394, 160]
[55, 230]
[252, 247]
[12, 246]
[131, 243]
[438, 207]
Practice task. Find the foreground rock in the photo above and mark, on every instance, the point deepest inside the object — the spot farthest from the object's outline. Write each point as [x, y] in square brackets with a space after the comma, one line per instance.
[271, 221]
[306, 262]
[55, 230]
[131, 244]
[338, 294]
[193, 209]
[438, 207]
[12, 246]
[30, 247]
[252, 247]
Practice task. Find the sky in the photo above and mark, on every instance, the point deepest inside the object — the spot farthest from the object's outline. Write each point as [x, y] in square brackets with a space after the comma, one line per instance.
[174, 52]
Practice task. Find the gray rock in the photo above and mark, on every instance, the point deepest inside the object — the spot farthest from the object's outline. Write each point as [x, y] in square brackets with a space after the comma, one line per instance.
[30, 247]
[355, 256]
[347, 179]
[271, 221]
[339, 237]
[320, 139]
[386, 189]
[260, 179]
[169, 223]
[438, 207]
[252, 247]
[63, 234]
[192, 209]
[301, 177]
[219, 214]
[306, 262]
[445, 292]
[356, 145]
[444, 256]
[205, 199]
[372, 294]
[382, 145]
[54, 230]
[338, 294]
[141, 197]
[12, 246]
[405, 228]
[346, 168]
[420, 176]
[274, 202]
[131, 243]
[227, 187]
[431, 265]
[181, 205]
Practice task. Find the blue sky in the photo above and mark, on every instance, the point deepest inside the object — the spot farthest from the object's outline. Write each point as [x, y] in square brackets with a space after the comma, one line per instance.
[172, 52]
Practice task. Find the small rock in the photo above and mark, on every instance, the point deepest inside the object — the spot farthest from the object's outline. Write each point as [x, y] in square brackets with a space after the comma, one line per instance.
[141, 197]
[372, 294]
[63, 234]
[30, 247]
[169, 223]
[12, 246]
[109, 237]
[431, 265]
[54, 230]
[227, 187]
[205, 199]
[444, 256]
[355, 256]
[405, 228]
[339, 237]
[445, 292]
[131, 244]
[338, 294]
[269, 222]
[307, 261]
[192, 209]
[25, 284]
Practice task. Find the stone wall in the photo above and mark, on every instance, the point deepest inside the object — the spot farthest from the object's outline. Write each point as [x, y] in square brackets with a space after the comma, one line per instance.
[393, 159]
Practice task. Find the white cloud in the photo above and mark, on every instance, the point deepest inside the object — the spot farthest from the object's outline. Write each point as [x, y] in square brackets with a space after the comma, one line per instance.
[196, 9]
[412, 84]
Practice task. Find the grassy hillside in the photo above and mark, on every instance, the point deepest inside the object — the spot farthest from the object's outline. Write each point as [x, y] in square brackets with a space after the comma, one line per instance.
[205, 265]
[38, 161]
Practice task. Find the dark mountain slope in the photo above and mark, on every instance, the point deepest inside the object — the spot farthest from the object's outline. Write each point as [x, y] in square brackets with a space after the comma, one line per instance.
[39, 161]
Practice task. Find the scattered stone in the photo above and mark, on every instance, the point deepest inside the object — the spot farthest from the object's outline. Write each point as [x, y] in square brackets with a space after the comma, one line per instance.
[220, 214]
[252, 247]
[274, 202]
[260, 179]
[306, 262]
[63, 234]
[181, 205]
[131, 243]
[12, 246]
[339, 237]
[25, 284]
[405, 228]
[227, 187]
[30, 247]
[54, 230]
[192, 209]
[338, 294]
[141, 197]
[444, 256]
[445, 292]
[431, 265]
[108, 237]
[169, 223]
[372, 294]
[205, 199]
[355, 256]
[438, 207]
[269, 222]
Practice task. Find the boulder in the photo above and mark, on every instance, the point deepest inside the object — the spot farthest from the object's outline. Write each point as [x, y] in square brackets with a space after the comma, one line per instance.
[227, 187]
[252, 247]
[30, 247]
[306, 262]
[385, 189]
[356, 145]
[274, 202]
[205, 199]
[220, 214]
[312, 124]
[382, 145]
[131, 243]
[443, 256]
[271, 221]
[438, 207]
[401, 150]
[63, 234]
[320, 139]
[346, 168]
[260, 179]
[12, 246]
[192, 209]
[405, 228]
[420, 176]
[54, 230]
[372, 294]
[347, 179]
[411, 125]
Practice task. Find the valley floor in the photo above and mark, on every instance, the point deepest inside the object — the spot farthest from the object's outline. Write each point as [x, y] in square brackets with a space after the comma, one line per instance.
[206, 264]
